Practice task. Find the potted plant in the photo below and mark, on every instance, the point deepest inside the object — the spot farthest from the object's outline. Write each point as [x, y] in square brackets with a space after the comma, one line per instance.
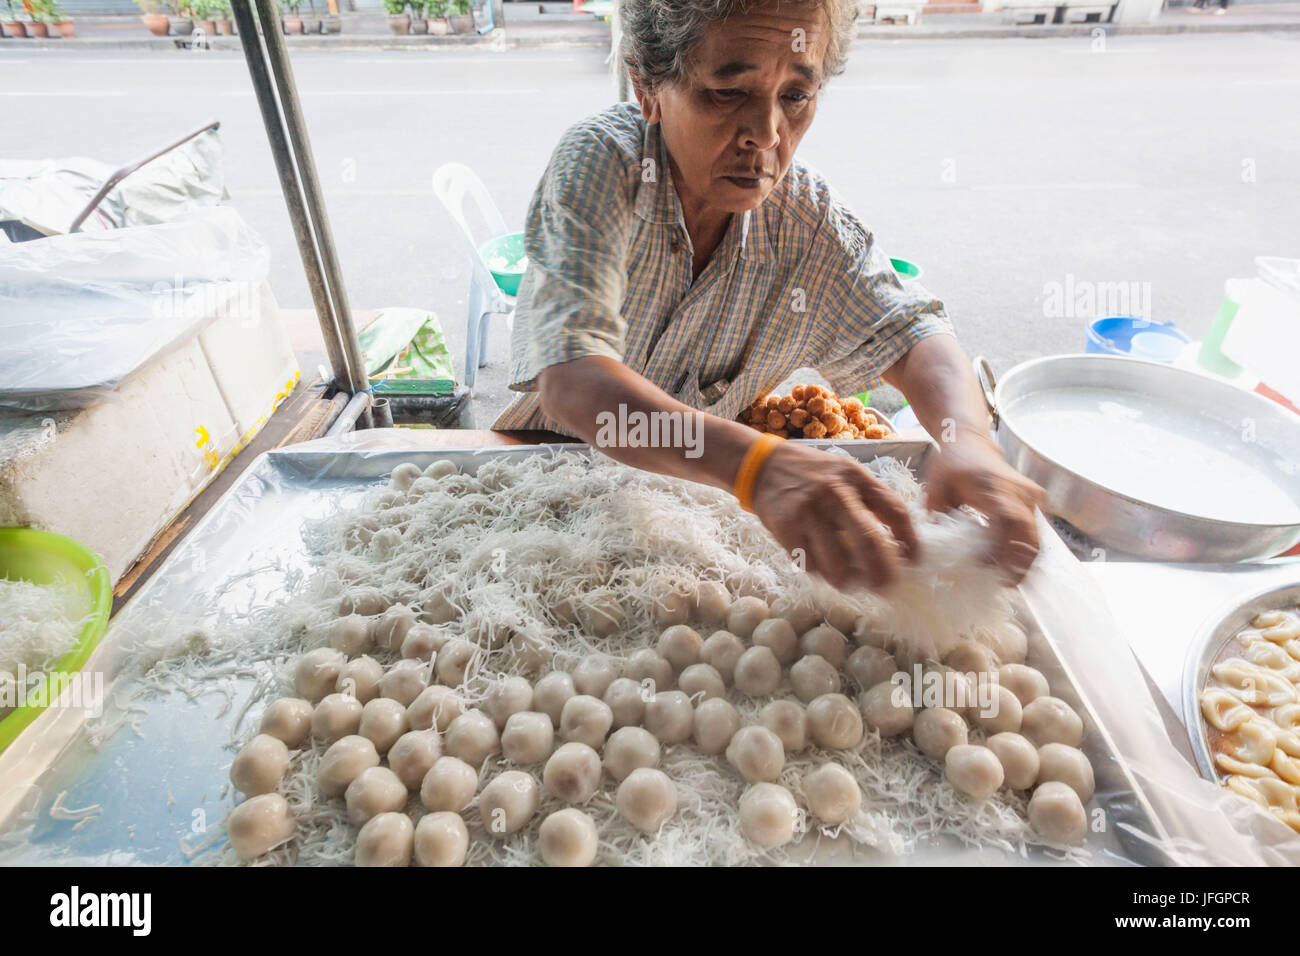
[62, 22]
[459, 17]
[289, 16]
[437, 12]
[204, 12]
[225, 25]
[182, 23]
[13, 26]
[399, 21]
[418, 23]
[35, 18]
[313, 23]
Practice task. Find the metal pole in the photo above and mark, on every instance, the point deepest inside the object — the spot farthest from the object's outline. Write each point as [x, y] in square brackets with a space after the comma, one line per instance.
[264, 90]
[293, 119]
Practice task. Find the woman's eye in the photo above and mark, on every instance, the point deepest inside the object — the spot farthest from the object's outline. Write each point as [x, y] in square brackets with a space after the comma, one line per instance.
[728, 94]
[798, 97]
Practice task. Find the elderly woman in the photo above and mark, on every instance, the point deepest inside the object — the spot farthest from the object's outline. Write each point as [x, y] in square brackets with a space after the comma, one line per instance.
[683, 261]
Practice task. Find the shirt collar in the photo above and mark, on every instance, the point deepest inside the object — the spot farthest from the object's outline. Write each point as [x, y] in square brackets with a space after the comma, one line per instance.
[657, 202]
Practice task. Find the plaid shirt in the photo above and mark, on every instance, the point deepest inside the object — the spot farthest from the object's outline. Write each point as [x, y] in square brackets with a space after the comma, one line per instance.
[797, 282]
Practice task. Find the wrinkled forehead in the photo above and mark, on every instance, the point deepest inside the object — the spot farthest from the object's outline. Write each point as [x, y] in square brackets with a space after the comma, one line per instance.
[773, 41]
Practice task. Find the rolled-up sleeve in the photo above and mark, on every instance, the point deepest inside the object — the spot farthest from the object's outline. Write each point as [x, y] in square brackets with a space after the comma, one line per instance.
[871, 319]
[577, 236]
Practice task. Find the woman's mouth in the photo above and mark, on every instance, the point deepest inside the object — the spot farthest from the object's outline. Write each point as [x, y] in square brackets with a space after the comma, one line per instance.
[746, 182]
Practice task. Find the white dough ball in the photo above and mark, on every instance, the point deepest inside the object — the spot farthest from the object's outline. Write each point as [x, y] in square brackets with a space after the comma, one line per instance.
[937, 730]
[646, 798]
[404, 681]
[768, 815]
[787, 720]
[423, 642]
[376, 790]
[869, 666]
[841, 614]
[1056, 813]
[716, 722]
[887, 708]
[828, 642]
[413, 754]
[343, 762]
[812, 676]
[350, 635]
[315, 673]
[472, 737]
[974, 770]
[528, 737]
[572, 773]
[970, 658]
[441, 839]
[802, 613]
[1008, 642]
[672, 607]
[512, 695]
[403, 475]
[436, 607]
[1025, 682]
[746, 614]
[834, 722]
[456, 662]
[436, 707]
[625, 701]
[288, 720]
[1005, 714]
[259, 824]
[383, 721]
[442, 468]
[531, 652]
[628, 749]
[701, 682]
[670, 716]
[712, 602]
[600, 613]
[386, 840]
[721, 650]
[337, 715]
[646, 665]
[758, 672]
[586, 720]
[360, 677]
[680, 646]
[756, 753]
[1019, 759]
[567, 838]
[260, 766]
[832, 793]
[508, 802]
[551, 693]
[1050, 720]
[363, 600]
[390, 628]
[777, 634]
[449, 785]
[1066, 765]
[594, 674]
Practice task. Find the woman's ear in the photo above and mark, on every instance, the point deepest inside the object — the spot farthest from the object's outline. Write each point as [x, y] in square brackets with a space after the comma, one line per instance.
[648, 100]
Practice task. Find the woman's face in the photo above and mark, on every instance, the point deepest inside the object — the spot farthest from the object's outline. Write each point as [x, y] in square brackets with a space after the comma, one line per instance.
[749, 90]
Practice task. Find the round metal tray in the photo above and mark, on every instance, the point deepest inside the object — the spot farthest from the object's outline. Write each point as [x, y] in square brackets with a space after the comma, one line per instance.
[1220, 628]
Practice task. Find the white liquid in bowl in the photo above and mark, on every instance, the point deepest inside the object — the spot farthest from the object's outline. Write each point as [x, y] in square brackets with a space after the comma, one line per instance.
[1162, 453]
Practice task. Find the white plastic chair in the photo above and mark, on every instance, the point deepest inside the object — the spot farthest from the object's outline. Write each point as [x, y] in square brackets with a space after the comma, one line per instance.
[456, 185]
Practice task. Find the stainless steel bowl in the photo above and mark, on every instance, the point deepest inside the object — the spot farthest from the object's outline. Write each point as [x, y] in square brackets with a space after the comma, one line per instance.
[1218, 629]
[1143, 528]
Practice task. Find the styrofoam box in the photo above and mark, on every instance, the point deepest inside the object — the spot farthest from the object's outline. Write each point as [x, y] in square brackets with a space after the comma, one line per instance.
[115, 474]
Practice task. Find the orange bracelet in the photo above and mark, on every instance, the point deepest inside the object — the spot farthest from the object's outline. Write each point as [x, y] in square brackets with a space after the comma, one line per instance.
[750, 466]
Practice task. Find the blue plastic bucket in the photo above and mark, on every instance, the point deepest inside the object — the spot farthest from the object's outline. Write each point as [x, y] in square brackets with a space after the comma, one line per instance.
[1135, 337]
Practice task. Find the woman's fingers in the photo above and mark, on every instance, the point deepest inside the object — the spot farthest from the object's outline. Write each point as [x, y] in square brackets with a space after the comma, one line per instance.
[1015, 532]
[872, 553]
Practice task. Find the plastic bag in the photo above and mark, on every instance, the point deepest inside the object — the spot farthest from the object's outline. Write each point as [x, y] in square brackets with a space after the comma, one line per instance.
[79, 313]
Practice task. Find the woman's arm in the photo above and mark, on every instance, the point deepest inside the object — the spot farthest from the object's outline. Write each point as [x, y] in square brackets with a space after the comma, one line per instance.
[937, 378]
[849, 526]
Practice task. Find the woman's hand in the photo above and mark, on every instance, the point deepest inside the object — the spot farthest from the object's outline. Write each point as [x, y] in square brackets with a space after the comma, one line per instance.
[850, 527]
[971, 471]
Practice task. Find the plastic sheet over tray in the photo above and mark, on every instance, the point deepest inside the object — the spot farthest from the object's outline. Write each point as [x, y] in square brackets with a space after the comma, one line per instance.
[153, 790]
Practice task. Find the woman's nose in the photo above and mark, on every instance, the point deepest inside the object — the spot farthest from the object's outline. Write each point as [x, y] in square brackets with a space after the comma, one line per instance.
[760, 127]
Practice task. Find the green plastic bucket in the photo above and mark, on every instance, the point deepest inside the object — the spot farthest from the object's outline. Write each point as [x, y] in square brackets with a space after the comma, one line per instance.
[46, 559]
[507, 250]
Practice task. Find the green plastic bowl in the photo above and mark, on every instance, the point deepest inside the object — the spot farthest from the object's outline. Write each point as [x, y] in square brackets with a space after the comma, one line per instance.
[44, 558]
[907, 271]
[509, 247]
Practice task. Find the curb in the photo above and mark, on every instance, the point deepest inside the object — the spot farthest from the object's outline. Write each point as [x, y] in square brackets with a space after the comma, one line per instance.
[502, 40]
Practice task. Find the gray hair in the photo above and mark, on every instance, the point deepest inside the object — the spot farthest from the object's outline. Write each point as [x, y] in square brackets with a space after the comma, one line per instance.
[658, 35]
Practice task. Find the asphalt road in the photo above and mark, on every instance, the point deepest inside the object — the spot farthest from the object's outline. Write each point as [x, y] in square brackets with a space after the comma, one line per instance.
[1012, 170]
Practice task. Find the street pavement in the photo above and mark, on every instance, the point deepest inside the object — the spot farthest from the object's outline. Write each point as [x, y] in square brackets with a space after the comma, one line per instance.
[1037, 182]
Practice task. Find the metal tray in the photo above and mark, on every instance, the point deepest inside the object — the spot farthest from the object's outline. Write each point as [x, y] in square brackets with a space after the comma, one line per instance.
[161, 784]
[1220, 628]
